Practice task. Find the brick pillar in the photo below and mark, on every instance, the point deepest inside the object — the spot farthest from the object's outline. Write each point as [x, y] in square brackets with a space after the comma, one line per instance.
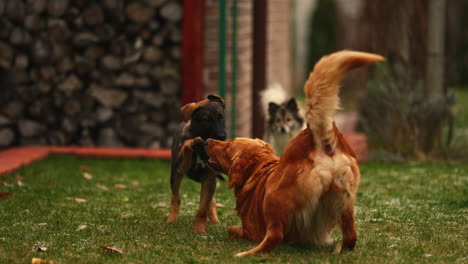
[279, 37]
[244, 62]
[278, 55]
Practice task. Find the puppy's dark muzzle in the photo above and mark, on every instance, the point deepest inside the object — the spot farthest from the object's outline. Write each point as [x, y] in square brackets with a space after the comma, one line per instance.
[221, 137]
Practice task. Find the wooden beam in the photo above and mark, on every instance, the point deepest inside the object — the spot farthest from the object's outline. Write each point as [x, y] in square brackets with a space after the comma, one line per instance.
[259, 64]
[192, 51]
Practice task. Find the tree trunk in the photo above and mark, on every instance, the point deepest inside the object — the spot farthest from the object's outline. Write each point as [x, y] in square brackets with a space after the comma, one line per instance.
[435, 47]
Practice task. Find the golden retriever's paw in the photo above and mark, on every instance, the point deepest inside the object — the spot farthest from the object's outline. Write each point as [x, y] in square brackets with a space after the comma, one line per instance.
[198, 146]
[241, 254]
[338, 247]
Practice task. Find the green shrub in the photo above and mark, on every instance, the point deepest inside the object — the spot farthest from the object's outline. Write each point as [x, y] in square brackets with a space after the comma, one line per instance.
[401, 116]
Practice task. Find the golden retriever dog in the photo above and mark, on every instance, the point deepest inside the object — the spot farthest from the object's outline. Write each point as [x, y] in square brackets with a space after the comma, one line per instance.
[303, 195]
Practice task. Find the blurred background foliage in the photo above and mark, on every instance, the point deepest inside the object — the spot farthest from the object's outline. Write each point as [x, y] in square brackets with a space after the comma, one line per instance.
[403, 114]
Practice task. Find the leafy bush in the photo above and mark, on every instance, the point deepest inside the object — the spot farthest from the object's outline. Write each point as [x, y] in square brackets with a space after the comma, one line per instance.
[401, 116]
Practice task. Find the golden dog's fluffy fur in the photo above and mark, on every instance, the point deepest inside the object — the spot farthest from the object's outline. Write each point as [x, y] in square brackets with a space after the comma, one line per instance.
[312, 188]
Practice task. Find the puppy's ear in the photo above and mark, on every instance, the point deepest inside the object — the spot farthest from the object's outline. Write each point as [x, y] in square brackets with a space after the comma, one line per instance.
[216, 98]
[272, 108]
[187, 110]
[292, 105]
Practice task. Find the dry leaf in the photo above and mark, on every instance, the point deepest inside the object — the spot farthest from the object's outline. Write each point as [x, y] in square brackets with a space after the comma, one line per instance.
[102, 187]
[19, 178]
[163, 233]
[85, 168]
[444, 176]
[41, 249]
[162, 204]
[5, 194]
[125, 199]
[109, 249]
[120, 186]
[41, 261]
[136, 183]
[20, 183]
[127, 215]
[81, 227]
[79, 200]
[87, 176]
[50, 181]
[220, 205]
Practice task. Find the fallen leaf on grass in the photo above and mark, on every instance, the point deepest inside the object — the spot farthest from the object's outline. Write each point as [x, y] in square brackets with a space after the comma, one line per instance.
[110, 249]
[220, 205]
[20, 183]
[81, 227]
[5, 194]
[87, 176]
[127, 215]
[102, 187]
[85, 168]
[444, 176]
[136, 183]
[163, 233]
[41, 249]
[50, 181]
[78, 200]
[120, 186]
[19, 177]
[41, 261]
[162, 204]
[125, 199]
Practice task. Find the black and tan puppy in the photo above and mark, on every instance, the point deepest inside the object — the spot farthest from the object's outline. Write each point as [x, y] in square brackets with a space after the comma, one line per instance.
[203, 119]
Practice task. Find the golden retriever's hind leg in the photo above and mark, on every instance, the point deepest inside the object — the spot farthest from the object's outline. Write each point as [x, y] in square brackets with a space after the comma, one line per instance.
[348, 229]
[273, 237]
[236, 232]
[212, 215]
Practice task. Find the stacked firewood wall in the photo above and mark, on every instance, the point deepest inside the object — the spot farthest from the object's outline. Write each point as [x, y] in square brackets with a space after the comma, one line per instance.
[84, 72]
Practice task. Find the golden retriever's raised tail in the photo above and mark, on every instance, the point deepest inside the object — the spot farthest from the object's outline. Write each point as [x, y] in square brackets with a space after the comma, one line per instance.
[321, 90]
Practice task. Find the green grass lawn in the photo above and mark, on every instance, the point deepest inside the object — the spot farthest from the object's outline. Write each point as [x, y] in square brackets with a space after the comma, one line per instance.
[406, 213]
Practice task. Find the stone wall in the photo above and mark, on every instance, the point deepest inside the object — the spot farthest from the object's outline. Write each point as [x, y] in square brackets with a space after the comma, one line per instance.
[82, 72]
